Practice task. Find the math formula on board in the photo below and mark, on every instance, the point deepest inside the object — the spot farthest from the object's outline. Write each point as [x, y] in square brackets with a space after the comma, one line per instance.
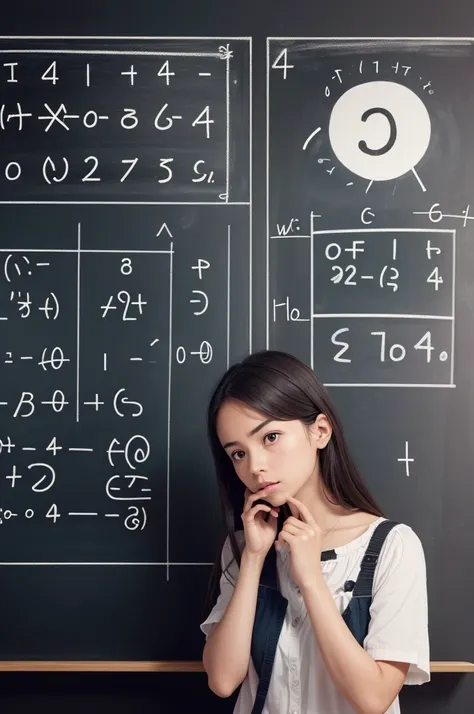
[374, 304]
[125, 198]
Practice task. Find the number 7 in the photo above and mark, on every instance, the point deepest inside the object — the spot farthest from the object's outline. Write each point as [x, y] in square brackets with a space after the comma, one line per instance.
[133, 163]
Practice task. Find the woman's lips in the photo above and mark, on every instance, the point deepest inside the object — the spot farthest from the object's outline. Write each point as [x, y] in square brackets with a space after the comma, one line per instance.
[271, 487]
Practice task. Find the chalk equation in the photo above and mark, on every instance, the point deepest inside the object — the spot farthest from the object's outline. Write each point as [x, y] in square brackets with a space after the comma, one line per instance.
[370, 295]
[111, 121]
[41, 477]
[99, 344]
[117, 287]
[381, 303]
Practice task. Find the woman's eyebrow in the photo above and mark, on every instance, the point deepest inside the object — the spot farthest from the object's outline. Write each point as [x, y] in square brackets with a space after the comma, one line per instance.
[251, 433]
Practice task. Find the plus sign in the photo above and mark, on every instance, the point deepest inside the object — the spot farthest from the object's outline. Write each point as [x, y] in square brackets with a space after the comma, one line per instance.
[132, 74]
[96, 403]
[14, 476]
[20, 116]
[406, 460]
[8, 445]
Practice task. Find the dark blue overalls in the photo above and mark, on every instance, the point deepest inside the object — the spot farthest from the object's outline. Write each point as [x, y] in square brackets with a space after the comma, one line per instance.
[271, 608]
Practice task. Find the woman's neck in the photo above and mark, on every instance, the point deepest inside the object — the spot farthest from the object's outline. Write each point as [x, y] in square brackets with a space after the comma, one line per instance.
[348, 523]
[323, 511]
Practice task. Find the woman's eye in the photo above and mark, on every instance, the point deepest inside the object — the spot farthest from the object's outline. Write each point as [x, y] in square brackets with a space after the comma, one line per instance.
[238, 455]
[272, 437]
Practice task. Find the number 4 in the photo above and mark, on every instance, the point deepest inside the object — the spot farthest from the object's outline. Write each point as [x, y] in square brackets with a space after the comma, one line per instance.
[204, 118]
[435, 278]
[53, 446]
[425, 344]
[284, 66]
[165, 72]
[53, 513]
[50, 74]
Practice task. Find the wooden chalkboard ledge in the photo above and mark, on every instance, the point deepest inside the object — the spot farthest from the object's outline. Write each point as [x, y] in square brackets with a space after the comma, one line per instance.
[139, 666]
[452, 667]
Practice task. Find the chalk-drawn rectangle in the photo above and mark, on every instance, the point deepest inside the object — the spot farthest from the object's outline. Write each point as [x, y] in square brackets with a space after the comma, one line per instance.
[404, 271]
[113, 121]
[383, 350]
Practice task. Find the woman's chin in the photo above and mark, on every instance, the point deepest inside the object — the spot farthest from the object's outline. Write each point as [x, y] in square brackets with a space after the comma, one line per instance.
[279, 498]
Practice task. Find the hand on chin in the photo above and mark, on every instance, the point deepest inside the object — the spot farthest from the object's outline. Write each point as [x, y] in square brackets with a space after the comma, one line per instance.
[275, 498]
[278, 498]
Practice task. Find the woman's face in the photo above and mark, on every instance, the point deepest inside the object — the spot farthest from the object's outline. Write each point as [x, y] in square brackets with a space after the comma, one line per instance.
[266, 451]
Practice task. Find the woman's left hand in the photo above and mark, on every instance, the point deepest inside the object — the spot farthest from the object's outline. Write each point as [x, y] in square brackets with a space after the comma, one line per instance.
[303, 537]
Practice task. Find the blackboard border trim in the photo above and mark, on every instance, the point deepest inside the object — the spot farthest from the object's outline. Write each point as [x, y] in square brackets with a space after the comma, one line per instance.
[433, 38]
[458, 39]
[247, 38]
[125, 203]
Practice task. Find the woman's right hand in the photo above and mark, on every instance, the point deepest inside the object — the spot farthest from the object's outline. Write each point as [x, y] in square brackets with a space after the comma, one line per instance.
[260, 533]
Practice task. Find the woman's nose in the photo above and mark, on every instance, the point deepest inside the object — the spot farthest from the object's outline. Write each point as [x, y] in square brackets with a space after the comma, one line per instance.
[258, 463]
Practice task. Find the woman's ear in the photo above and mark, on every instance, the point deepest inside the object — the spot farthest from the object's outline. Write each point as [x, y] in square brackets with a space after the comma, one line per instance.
[321, 431]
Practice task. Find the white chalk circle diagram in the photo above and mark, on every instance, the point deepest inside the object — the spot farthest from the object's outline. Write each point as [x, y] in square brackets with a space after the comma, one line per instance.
[379, 130]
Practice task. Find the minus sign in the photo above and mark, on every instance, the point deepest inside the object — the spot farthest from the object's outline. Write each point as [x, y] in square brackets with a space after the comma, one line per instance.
[26, 357]
[79, 448]
[3, 404]
[112, 515]
[176, 117]
[204, 74]
[136, 359]
[28, 448]
[3, 318]
[82, 514]
[367, 277]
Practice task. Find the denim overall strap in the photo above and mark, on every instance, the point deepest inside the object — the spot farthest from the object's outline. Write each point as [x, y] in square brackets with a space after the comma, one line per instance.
[269, 618]
[268, 576]
[363, 586]
[357, 613]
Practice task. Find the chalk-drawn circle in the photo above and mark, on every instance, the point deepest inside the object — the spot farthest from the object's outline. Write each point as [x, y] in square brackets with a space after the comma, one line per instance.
[443, 356]
[379, 130]
[205, 352]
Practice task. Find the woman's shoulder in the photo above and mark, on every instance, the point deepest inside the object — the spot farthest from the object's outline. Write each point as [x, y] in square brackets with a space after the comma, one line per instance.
[401, 552]
[403, 536]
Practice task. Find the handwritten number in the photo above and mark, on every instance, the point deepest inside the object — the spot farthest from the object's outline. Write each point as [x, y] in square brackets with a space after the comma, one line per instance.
[393, 132]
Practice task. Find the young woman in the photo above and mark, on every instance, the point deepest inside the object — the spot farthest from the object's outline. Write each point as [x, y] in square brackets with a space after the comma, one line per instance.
[303, 621]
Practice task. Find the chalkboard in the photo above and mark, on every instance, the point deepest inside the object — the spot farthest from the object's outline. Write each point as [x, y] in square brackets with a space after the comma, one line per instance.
[139, 258]
[370, 271]
[125, 293]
